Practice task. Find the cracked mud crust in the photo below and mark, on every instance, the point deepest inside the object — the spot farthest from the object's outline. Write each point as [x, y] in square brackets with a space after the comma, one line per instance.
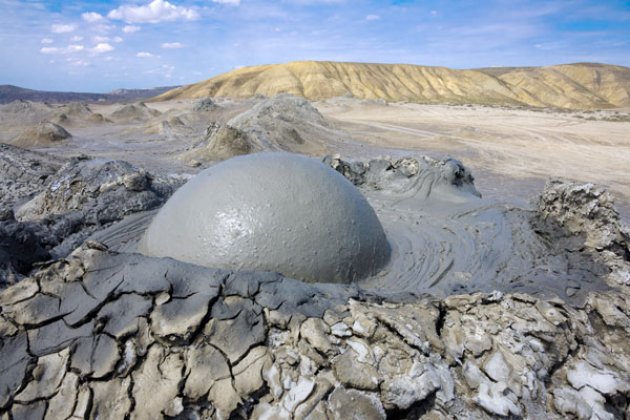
[109, 335]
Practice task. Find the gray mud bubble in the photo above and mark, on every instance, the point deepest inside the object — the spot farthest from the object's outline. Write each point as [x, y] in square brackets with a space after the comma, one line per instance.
[278, 212]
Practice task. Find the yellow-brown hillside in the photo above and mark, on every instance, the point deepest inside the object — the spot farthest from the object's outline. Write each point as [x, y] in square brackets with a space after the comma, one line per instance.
[575, 86]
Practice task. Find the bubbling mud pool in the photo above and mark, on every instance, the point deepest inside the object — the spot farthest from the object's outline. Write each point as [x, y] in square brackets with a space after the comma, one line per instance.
[443, 237]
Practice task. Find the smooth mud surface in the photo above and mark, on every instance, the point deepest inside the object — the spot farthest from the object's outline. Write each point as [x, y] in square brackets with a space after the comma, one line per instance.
[271, 212]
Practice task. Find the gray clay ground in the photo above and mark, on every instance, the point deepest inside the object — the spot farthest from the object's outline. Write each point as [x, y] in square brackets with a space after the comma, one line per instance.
[486, 308]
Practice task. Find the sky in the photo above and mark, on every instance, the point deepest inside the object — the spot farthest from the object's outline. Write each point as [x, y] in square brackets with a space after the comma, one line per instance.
[98, 46]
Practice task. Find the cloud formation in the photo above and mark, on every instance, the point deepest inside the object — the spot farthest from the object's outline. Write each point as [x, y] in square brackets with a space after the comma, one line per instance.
[72, 48]
[230, 2]
[144, 54]
[154, 12]
[172, 45]
[101, 48]
[62, 28]
[129, 29]
[92, 17]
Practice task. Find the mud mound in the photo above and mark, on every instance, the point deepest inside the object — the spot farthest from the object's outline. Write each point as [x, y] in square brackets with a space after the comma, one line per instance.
[582, 215]
[134, 113]
[77, 114]
[22, 174]
[87, 195]
[43, 135]
[282, 123]
[76, 109]
[22, 112]
[167, 128]
[70, 202]
[205, 105]
[419, 177]
[222, 142]
[265, 212]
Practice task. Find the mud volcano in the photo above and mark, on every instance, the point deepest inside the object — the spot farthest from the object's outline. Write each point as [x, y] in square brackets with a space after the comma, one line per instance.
[271, 212]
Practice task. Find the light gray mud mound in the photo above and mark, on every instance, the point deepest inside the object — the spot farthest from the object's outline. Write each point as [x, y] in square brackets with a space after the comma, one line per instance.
[24, 112]
[88, 194]
[282, 123]
[77, 114]
[43, 134]
[271, 212]
[221, 142]
[138, 112]
[205, 105]
[23, 173]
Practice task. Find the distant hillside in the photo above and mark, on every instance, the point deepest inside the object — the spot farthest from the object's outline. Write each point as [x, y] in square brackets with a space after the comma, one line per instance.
[573, 86]
[10, 93]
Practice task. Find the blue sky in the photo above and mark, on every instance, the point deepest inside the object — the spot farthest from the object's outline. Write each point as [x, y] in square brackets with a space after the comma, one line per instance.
[99, 46]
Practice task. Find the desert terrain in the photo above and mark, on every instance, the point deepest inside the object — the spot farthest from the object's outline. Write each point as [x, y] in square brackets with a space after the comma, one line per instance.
[497, 282]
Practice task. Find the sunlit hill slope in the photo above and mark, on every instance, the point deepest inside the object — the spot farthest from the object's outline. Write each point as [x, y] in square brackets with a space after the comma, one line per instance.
[573, 86]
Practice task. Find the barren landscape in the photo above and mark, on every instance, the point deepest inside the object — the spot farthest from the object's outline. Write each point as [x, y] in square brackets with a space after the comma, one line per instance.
[157, 262]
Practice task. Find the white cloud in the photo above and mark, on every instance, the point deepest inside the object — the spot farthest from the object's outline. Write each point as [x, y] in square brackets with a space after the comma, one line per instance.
[144, 54]
[75, 48]
[231, 2]
[129, 29]
[61, 28]
[101, 48]
[154, 12]
[72, 48]
[118, 39]
[78, 62]
[76, 38]
[49, 50]
[47, 41]
[372, 17]
[172, 45]
[92, 17]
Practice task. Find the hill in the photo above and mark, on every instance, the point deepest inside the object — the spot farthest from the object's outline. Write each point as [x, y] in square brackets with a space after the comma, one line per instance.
[10, 93]
[573, 86]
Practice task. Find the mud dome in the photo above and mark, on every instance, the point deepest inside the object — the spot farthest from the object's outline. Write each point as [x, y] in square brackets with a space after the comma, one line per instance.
[271, 212]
